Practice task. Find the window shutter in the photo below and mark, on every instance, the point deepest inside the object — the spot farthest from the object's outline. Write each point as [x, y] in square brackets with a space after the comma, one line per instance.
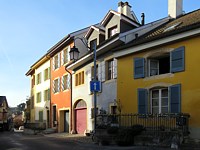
[58, 60]
[62, 57]
[68, 81]
[62, 83]
[99, 71]
[49, 94]
[139, 68]
[53, 63]
[54, 86]
[58, 84]
[49, 73]
[175, 98]
[142, 101]
[103, 71]
[178, 59]
[115, 68]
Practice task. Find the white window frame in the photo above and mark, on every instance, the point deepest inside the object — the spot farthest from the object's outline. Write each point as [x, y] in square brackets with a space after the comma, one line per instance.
[159, 99]
[151, 68]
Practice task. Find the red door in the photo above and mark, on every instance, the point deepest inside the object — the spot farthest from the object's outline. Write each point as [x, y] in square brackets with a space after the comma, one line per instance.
[81, 123]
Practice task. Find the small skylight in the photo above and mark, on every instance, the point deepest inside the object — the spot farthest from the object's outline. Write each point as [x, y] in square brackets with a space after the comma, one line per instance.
[172, 27]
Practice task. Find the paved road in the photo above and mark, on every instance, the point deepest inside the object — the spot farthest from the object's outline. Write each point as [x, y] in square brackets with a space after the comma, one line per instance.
[19, 141]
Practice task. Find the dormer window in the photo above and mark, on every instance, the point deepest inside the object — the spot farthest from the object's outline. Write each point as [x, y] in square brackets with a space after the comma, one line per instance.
[92, 44]
[112, 31]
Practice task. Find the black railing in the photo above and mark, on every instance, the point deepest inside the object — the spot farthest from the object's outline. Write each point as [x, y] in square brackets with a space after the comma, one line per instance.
[151, 122]
[35, 126]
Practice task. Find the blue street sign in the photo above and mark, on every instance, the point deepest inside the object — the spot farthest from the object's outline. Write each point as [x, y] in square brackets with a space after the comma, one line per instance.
[95, 86]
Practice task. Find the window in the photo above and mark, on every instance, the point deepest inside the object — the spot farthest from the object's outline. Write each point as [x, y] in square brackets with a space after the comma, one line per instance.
[167, 62]
[96, 72]
[65, 56]
[113, 110]
[66, 82]
[56, 85]
[38, 78]
[32, 102]
[110, 69]
[112, 31]
[56, 61]
[40, 116]
[33, 81]
[47, 95]
[159, 101]
[54, 116]
[159, 65]
[38, 97]
[46, 74]
[79, 78]
[93, 43]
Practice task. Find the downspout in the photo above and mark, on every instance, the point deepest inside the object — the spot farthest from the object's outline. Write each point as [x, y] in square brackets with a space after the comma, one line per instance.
[72, 110]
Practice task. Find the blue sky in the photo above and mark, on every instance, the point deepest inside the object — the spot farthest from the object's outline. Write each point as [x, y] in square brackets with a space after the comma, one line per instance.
[29, 28]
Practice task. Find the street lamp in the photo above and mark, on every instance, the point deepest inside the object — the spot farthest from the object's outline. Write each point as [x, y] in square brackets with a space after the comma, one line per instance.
[74, 53]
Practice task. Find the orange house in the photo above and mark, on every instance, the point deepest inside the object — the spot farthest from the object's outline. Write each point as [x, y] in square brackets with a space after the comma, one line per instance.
[61, 109]
[60, 86]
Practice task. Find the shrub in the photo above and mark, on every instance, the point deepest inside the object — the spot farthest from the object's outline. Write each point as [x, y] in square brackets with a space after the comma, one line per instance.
[125, 137]
[112, 130]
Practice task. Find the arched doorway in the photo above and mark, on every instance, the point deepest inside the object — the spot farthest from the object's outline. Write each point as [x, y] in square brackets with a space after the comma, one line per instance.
[81, 116]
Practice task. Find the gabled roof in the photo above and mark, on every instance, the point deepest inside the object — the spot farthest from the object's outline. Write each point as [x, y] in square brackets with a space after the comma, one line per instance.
[3, 99]
[92, 28]
[173, 27]
[121, 16]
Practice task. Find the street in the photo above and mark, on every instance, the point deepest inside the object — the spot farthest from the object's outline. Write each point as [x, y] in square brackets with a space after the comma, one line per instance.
[19, 141]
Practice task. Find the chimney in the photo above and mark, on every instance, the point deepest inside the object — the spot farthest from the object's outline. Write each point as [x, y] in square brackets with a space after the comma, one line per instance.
[143, 19]
[175, 8]
[125, 9]
[120, 7]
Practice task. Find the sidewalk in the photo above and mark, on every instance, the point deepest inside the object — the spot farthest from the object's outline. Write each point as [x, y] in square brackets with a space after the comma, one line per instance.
[87, 141]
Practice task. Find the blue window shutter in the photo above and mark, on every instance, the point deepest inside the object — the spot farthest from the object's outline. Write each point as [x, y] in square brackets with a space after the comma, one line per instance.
[178, 59]
[175, 98]
[142, 101]
[138, 68]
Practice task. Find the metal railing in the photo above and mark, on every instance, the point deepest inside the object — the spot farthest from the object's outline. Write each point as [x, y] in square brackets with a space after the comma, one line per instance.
[35, 126]
[151, 122]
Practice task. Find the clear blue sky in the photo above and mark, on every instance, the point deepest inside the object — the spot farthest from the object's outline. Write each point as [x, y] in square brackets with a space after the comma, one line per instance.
[28, 28]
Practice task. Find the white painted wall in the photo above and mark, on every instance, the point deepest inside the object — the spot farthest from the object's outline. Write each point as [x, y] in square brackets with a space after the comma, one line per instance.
[41, 88]
[104, 98]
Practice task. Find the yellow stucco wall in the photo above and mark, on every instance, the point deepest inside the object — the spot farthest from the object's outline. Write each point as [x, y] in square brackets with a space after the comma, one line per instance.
[189, 79]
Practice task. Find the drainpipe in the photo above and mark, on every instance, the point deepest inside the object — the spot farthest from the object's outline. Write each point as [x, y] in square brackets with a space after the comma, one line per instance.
[72, 110]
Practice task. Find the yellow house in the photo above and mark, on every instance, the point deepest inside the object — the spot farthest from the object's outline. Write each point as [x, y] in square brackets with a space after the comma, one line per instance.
[158, 73]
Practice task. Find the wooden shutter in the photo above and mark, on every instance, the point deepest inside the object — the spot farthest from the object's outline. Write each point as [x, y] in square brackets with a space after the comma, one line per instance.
[175, 98]
[99, 72]
[177, 58]
[58, 84]
[58, 60]
[54, 86]
[103, 71]
[142, 101]
[115, 68]
[62, 83]
[62, 57]
[139, 68]
[68, 81]
[53, 63]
